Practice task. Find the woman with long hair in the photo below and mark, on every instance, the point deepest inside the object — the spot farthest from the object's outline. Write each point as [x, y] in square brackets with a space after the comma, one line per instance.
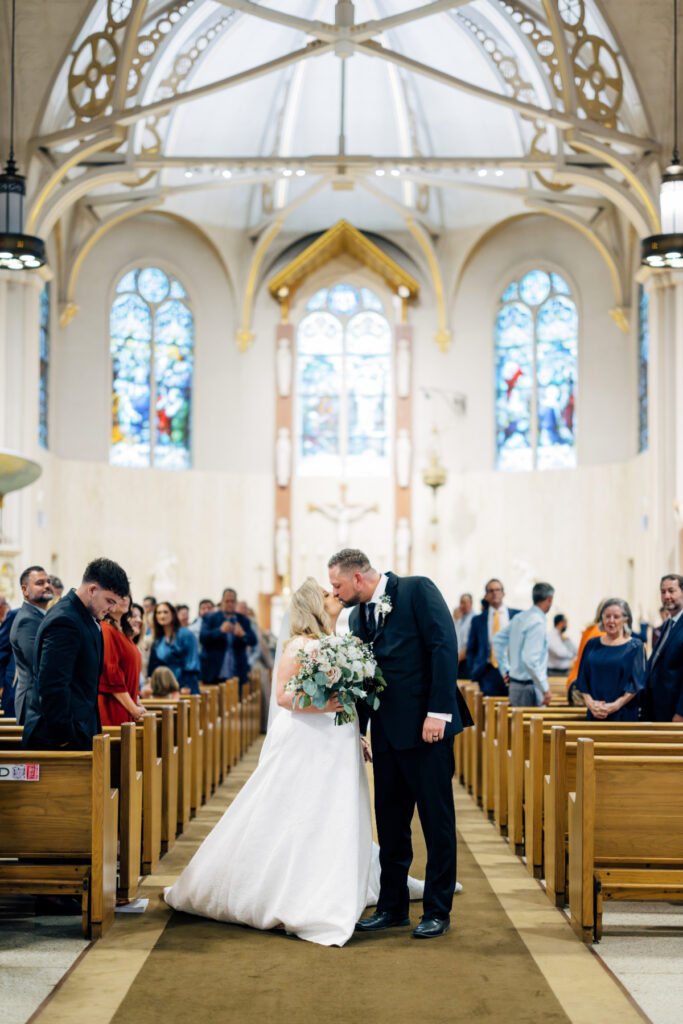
[120, 679]
[175, 647]
[293, 850]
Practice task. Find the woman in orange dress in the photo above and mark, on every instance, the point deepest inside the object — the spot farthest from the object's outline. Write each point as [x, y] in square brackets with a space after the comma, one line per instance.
[120, 679]
[595, 629]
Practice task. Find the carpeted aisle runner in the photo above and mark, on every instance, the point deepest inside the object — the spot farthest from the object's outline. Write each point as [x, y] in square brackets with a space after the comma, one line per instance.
[480, 971]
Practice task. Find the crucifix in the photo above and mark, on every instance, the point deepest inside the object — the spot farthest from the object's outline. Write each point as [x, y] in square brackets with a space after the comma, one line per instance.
[343, 514]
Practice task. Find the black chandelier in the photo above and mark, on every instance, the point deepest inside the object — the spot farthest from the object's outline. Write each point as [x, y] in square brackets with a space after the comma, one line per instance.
[17, 250]
[666, 250]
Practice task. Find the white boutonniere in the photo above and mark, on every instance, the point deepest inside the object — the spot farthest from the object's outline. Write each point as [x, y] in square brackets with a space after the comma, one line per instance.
[384, 607]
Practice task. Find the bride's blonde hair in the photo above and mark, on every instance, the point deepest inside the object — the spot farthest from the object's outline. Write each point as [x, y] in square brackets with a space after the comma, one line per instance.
[307, 615]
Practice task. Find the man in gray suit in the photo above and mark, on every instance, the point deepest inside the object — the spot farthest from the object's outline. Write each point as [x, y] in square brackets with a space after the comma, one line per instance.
[38, 592]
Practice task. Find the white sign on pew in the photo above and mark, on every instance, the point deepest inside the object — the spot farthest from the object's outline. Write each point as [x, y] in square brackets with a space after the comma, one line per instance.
[19, 772]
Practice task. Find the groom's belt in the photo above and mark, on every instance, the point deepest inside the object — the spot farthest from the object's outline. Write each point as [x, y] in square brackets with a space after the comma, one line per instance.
[522, 682]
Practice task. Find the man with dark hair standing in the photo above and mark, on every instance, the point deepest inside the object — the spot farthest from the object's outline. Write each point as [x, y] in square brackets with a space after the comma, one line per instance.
[412, 632]
[521, 650]
[7, 667]
[62, 712]
[481, 656]
[663, 697]
[36, 586]
[57, 586]
[225, 636]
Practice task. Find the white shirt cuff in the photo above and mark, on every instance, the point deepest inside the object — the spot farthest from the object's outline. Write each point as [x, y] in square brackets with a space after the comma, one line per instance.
[440, 716]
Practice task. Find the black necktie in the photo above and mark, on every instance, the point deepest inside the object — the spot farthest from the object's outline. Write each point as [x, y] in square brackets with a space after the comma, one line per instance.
[370, 618]
[663, 637]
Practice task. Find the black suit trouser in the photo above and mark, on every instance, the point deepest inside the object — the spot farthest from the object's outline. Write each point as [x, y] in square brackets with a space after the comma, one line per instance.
[404, 779]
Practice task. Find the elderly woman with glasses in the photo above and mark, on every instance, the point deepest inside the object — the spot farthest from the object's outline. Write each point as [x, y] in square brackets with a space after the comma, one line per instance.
[612, 670]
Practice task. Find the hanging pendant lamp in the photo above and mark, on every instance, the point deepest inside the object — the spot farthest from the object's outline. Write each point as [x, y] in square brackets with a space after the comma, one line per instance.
[17, 250]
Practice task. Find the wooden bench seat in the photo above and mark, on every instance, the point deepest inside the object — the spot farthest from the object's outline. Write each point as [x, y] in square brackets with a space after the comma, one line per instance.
[58, 834]
[180, 744]
[559, 757]
[149, 763]
[625, 833]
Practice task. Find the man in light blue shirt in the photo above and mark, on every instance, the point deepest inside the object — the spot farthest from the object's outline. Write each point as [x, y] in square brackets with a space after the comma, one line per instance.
[521, 649]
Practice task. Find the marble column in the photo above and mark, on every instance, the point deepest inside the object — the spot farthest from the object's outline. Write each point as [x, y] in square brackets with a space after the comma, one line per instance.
[665, 417]
[19, 405]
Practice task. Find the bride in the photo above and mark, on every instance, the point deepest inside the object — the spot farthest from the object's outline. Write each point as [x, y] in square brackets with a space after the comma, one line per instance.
[294, 849]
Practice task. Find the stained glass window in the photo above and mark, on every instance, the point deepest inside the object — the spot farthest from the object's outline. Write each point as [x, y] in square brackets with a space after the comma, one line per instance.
[152, 351]
[643, 361]
[344, 345]
[536, 339]
[44, 385]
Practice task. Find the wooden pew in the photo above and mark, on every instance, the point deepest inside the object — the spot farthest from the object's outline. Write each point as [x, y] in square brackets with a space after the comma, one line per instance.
[59, 832]
[208, 728]
[197, 736]
[127, 779]
[226, 726]
[488, 750]
[511, 772]
[149, 762]
[625, 826]
[560, 747]
[182, 744]
[235, 715]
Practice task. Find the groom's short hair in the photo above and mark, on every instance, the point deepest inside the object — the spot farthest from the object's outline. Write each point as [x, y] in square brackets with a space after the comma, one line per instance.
[351, 559]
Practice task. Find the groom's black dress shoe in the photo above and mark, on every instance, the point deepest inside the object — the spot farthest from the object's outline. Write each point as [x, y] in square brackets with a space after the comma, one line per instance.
[431, 927]
[380, 920]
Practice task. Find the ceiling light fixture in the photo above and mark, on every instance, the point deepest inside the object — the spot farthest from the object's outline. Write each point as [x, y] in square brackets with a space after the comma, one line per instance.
[482, 172]
[380, 172]
[226, 173]
[395, 172]
[666, 250]
[301, 171]
[17, 250]
[287, 172]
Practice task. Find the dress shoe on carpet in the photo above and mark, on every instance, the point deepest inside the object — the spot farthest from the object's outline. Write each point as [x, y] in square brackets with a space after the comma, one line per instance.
[432, 927]
[381, 920]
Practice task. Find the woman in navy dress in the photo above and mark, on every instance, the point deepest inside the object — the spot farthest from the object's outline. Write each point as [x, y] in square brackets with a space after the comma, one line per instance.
[612, 670]
[175, 647]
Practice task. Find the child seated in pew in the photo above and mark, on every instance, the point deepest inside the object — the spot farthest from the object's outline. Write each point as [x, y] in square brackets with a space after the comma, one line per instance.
[162, 685]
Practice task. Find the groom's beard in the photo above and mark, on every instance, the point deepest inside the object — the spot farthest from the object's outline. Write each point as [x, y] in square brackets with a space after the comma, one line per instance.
[352, 601]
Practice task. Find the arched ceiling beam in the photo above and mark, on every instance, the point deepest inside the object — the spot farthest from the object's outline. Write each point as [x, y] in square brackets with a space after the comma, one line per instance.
[245, 335]
[343, 33]
[612, 190]
[555, 117]
[618, 313]
[620, 164]
[163, 106]
[71, 192]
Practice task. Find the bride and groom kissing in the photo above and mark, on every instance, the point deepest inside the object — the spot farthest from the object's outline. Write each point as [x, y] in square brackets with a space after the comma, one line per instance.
[294, 850]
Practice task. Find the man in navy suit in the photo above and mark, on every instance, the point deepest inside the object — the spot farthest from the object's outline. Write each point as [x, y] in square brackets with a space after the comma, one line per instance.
[663, 697]
[225, 636]
[7, 668]
[480, 654]
[413, 636]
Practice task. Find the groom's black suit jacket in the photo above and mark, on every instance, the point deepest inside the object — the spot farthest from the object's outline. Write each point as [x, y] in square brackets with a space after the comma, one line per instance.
[417, 650]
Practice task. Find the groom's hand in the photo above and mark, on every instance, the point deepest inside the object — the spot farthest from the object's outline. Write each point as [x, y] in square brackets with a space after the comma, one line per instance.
[433, 729]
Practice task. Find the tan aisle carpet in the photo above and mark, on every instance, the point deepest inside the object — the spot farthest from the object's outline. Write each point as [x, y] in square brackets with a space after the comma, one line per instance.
[176, 968]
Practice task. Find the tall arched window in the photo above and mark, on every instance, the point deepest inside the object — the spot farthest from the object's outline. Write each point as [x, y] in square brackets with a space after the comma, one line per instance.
[44, 380]
[343, 382]
[643, 364]
[152, 352]
[536, 340]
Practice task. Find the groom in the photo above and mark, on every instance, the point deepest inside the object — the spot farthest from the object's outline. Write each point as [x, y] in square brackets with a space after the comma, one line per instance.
[421, 710]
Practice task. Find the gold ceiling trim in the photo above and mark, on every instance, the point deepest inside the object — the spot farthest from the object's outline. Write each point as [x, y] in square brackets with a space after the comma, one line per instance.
[341, 239]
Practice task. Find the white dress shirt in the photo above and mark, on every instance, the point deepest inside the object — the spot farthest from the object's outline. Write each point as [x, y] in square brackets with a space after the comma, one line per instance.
[504, 617]
[378, 592]
[561, 651]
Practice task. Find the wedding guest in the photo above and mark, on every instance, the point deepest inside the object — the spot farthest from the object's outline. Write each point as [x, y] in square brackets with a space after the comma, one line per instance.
[463, 616]
[120, 679]
[137, 622]
[149, 604]
[183, 615]
[561, 650]
[175, 647]
[57, 587]
[592, 630]
[663, 697]
[4, 608]
[522, 651]
[164, 685]
[481, 655]
[657, 631]
[62, 710]
[225, 636]
[7, 666]
[37, 591]
[206, 606]
[612, 672]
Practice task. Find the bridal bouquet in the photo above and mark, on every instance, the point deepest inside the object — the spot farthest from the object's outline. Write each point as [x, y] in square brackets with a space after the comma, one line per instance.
[341, 666]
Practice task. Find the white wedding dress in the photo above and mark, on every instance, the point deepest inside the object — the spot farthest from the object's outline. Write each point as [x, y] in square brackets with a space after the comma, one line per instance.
[294, 849]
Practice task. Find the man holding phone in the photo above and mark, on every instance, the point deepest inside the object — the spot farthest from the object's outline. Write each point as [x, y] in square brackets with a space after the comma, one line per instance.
[225, 636]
